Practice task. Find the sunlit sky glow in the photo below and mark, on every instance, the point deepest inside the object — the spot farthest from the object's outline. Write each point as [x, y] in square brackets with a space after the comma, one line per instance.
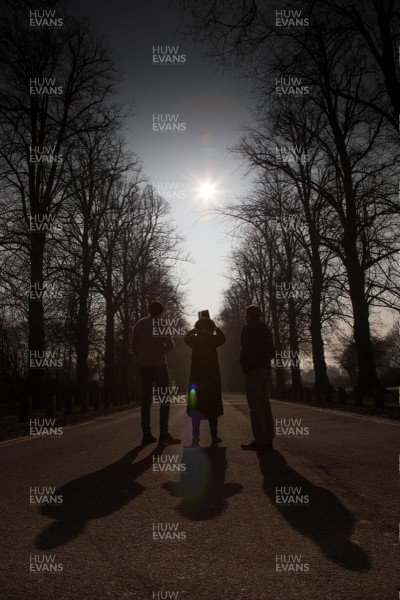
[195, 167]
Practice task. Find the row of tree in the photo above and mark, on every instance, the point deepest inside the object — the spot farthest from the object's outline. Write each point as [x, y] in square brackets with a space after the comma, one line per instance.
[85, 240]
[319, 245]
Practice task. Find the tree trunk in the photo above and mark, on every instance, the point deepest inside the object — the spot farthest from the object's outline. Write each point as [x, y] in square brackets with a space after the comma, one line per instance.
[367, 377]
[109, 354]
[82, 351]
[317, 343]
[82, 334]
[280, 374]
[36, 342]
[294, 345]
[126, 356]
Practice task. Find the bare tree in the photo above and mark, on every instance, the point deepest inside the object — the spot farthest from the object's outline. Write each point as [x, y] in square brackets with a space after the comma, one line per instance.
[352, 110]
[55, 85]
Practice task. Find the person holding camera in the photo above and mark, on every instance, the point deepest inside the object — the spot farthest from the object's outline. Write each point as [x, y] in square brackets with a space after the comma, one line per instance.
[205, 396]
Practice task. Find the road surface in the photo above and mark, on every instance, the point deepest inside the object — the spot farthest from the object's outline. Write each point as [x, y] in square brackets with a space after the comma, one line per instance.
[90, 514]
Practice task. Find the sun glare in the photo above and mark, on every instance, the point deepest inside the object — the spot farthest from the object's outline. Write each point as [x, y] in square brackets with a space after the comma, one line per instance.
[207, 191]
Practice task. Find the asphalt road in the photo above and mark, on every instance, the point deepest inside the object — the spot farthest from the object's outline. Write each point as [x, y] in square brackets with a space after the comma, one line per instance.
[317, 518]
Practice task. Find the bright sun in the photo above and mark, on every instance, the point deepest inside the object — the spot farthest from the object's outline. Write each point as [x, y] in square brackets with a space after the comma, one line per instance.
[207, 191]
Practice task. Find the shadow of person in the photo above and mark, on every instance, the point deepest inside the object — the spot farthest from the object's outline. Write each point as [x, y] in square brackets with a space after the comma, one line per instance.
[202, 484]
[93, 496]
[325, 519]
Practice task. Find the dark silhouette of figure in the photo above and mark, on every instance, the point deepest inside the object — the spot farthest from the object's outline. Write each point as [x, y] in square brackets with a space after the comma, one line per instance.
[202, 488]
[257, 349]
[151, 342]
[325, 520]
[205, 397]
[93, 496]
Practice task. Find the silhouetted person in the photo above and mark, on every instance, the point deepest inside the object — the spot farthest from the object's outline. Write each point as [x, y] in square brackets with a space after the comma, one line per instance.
[257, 349]
[204, 398]
[150, 347]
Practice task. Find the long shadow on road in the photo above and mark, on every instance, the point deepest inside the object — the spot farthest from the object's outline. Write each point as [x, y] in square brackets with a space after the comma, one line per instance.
[202, 485]
[93, 496]
[325, 519]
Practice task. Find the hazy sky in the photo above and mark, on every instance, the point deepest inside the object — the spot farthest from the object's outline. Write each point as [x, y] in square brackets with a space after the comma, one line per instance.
[211, 106]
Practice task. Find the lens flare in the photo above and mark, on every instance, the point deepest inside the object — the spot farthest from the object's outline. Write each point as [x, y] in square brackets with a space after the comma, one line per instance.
[192, 397]
[207, 191]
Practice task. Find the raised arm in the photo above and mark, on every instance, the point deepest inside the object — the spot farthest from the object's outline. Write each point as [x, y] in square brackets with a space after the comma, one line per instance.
[190, 338]
[220, 338]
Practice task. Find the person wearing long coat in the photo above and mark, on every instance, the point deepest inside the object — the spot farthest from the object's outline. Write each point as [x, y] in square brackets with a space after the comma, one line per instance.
[205, 397]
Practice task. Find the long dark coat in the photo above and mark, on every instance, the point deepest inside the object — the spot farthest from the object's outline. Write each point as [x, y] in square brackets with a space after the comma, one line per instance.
[204, 397]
